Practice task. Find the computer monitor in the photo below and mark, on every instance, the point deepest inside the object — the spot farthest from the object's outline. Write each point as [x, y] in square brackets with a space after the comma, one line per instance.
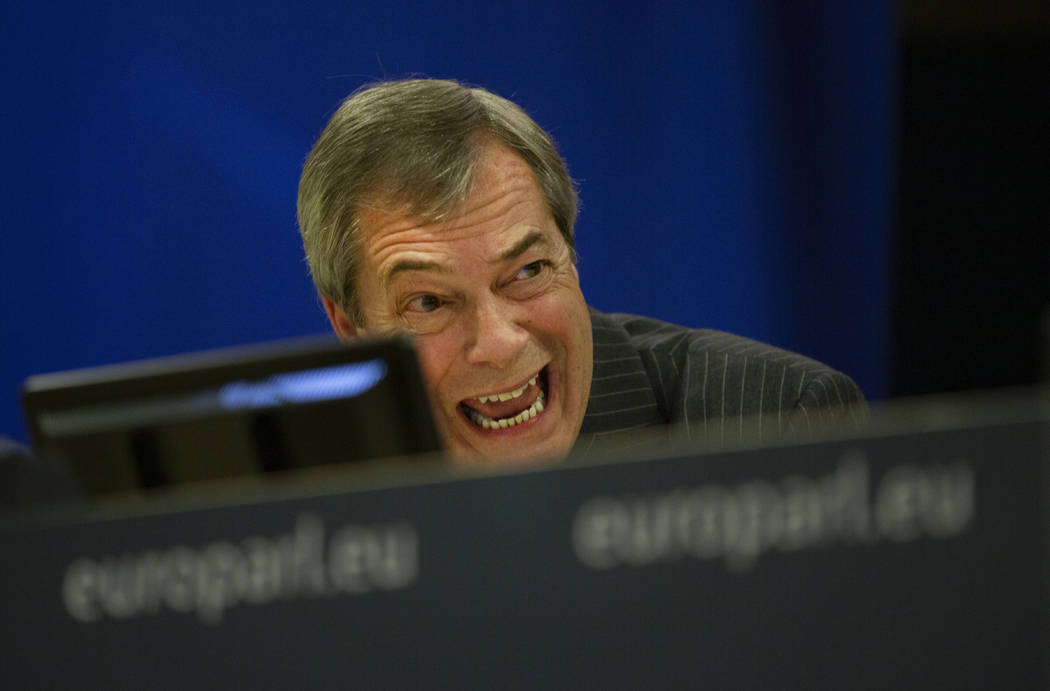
[231, 412]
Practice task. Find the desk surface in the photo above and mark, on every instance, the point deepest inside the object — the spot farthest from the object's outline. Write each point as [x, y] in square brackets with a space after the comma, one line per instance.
[910, 560]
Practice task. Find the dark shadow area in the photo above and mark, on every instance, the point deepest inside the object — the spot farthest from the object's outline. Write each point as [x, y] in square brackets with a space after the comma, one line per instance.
[972, 253]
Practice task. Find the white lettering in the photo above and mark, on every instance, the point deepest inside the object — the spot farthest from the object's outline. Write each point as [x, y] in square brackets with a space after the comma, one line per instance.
[79, 590]
[739, 524]
[220, 575]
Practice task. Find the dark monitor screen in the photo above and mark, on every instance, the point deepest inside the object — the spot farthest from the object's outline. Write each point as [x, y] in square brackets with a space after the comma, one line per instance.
[231, 412]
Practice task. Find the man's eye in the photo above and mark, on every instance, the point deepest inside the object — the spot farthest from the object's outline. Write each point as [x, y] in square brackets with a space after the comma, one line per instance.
[424, 303]
[531, 270]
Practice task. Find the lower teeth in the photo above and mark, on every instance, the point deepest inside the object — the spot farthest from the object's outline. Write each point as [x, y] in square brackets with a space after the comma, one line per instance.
[488, 423]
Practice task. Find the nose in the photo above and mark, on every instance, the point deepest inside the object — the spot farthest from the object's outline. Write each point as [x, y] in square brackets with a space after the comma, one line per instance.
[495, 335]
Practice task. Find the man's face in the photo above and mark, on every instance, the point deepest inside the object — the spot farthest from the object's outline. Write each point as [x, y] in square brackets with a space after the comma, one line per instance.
[503, 333]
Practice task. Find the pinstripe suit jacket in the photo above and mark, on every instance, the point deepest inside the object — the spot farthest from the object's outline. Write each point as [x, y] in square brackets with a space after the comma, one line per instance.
[712, 386]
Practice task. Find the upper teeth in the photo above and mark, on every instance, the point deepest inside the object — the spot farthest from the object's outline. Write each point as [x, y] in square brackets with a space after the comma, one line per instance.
[488, 423]
[507, 395]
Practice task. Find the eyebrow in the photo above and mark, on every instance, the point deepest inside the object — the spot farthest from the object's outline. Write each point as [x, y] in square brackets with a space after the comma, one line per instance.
[521, 246]
[409, 265]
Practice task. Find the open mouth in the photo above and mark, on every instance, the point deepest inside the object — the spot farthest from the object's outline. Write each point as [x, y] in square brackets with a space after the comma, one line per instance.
[509, 408]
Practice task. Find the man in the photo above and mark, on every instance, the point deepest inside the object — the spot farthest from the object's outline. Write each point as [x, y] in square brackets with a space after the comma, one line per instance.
[445, 212]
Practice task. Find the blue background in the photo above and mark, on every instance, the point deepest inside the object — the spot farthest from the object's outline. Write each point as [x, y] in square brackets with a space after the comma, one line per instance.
[735, 162]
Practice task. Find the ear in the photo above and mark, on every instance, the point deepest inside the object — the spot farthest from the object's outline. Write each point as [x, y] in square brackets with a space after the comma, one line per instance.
[342, 325]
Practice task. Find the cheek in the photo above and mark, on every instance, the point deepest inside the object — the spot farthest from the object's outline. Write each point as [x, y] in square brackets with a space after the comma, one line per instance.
[436, 354]
[564, 318]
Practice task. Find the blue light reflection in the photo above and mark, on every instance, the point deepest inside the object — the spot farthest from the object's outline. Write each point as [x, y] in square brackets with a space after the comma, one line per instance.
[307, 386]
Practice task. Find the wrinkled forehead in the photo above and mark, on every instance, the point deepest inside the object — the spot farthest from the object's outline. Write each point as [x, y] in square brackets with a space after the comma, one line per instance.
[500, 211]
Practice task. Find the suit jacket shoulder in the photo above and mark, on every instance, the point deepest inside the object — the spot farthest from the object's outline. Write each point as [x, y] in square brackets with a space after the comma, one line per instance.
[714, 385]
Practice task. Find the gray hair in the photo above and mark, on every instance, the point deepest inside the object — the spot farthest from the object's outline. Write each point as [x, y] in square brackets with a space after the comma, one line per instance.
[411, 146]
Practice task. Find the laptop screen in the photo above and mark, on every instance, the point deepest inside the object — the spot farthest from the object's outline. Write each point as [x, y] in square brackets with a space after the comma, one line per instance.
[231, 412]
